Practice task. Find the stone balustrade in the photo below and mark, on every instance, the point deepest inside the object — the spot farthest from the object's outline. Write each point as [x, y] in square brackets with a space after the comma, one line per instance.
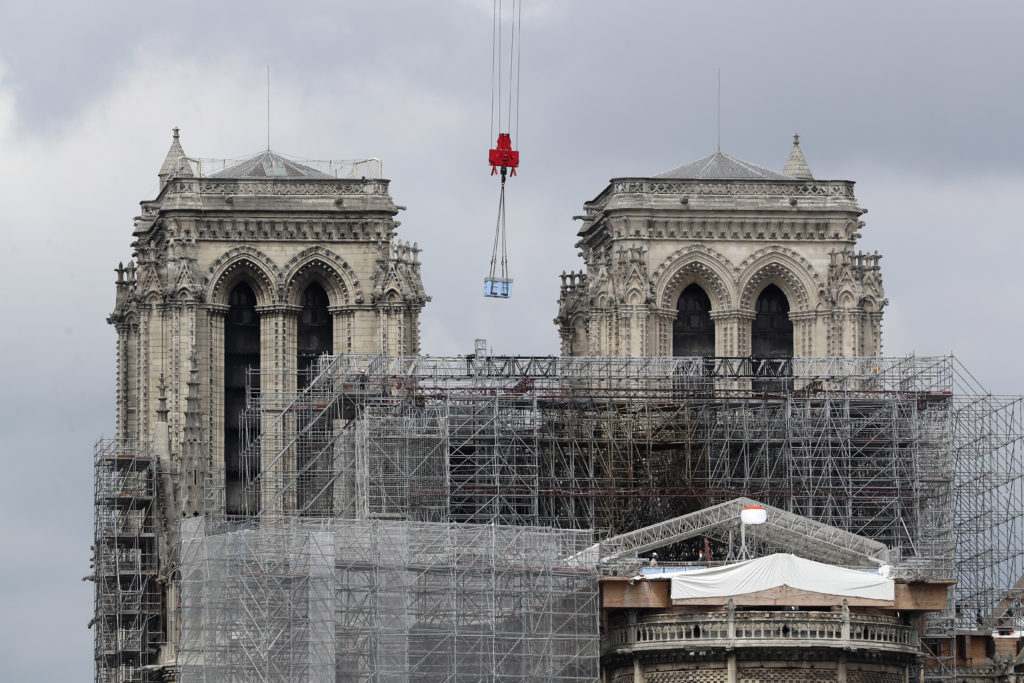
[732, 187]
[761, 629]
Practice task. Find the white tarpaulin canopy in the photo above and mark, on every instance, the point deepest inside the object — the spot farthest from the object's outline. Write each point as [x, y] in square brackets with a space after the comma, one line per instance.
[780, 570]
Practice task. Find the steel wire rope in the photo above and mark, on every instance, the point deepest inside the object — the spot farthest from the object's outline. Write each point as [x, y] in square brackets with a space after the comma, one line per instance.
[504, 245]
[499, 232]
[511, 63]
[519, 60]
[494, 52]
[499, 70]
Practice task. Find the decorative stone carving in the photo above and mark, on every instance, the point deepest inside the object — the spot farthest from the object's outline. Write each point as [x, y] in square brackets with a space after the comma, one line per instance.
[247, 260]
[643, 240]
[196, 240]
[320, 264]
[695, 263]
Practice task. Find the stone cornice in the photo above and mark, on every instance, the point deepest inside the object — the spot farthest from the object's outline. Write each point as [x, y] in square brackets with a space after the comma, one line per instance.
[730, 188]
[770, 228]
[277, 188]
[362, 227]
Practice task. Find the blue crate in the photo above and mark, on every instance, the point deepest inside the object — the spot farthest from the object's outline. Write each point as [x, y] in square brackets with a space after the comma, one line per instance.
[497, 287]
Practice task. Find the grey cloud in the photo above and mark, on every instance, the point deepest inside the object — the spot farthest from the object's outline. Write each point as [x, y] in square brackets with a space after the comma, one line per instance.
[918, 104]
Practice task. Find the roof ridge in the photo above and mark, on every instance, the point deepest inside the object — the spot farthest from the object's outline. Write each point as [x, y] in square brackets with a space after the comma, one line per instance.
[256, 167]
[722, 166]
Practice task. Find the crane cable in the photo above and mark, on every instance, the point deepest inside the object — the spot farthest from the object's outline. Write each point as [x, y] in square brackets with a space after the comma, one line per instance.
[503, 157]
[514, 61]
[499, 234]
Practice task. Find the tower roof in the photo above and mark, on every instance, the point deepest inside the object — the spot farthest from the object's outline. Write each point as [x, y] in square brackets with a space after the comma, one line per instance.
[796, 165]
[720, 166]
[269, 164]
[175, 162]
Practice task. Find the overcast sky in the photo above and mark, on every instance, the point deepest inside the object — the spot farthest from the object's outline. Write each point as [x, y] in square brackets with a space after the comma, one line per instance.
[919, 102]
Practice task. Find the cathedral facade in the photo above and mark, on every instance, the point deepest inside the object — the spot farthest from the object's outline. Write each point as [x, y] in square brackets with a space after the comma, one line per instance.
[721, 257]
[270, 262]
[265, 263]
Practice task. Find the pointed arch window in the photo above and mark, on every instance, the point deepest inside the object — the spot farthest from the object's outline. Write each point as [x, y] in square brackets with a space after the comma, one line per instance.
[315, 337]
[772, 332]
[693, 332]
[315, 331]
[241, 352]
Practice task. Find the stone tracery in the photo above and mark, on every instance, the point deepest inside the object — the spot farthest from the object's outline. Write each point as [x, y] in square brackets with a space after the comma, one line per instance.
[250, 263]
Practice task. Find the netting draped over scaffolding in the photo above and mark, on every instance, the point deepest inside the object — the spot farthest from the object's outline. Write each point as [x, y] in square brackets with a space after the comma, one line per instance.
[614, 443]
[369, 484]
[324, 600]
[909, 451]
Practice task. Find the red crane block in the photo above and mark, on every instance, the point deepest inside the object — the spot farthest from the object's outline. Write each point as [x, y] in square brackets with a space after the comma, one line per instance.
[503, 156]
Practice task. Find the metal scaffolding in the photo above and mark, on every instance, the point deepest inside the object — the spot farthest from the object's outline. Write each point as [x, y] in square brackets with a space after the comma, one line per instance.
[907, 451]
[418, 518]
[615, 444]
[127, 622]
[295, 599]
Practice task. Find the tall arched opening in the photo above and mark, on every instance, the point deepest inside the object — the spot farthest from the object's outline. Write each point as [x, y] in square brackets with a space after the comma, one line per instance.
[241, 352]
[693, 332]
[315, 331]
[772, 332]
[771, 342]
[315, 337]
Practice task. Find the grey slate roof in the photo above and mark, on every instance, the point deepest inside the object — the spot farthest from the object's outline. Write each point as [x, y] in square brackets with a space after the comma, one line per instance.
[269, 165]
[720, 166]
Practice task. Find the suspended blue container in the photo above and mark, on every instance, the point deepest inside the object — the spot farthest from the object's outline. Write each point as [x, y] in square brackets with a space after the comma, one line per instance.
[497, 287]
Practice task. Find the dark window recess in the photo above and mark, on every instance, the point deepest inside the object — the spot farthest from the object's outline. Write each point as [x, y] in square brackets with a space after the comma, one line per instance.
[771, 337]
[693, 332]
[772, 333]
[241, 352]
[313, 451]
[315, 334]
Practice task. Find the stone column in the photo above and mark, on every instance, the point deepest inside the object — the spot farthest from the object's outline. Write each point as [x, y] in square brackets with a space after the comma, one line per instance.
[637, 321]
[124, 374]
[836, 332]
[803, 332]
[385, 330]
[599, 333]
[216, 315]
[342, 330]
[731, 664]
[732, 331]
[874, 348]
[660, 331]
[142, 377]
[638, 670]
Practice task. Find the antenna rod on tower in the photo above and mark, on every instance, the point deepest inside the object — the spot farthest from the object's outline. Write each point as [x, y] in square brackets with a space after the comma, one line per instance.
[719, 109]
[268, 107]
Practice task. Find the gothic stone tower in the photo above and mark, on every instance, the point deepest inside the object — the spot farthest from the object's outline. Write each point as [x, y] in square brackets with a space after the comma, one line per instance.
[263, 264]
[721, 257]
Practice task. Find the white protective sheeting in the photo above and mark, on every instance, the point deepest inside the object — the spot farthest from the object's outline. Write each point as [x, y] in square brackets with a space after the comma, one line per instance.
[777, 570]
